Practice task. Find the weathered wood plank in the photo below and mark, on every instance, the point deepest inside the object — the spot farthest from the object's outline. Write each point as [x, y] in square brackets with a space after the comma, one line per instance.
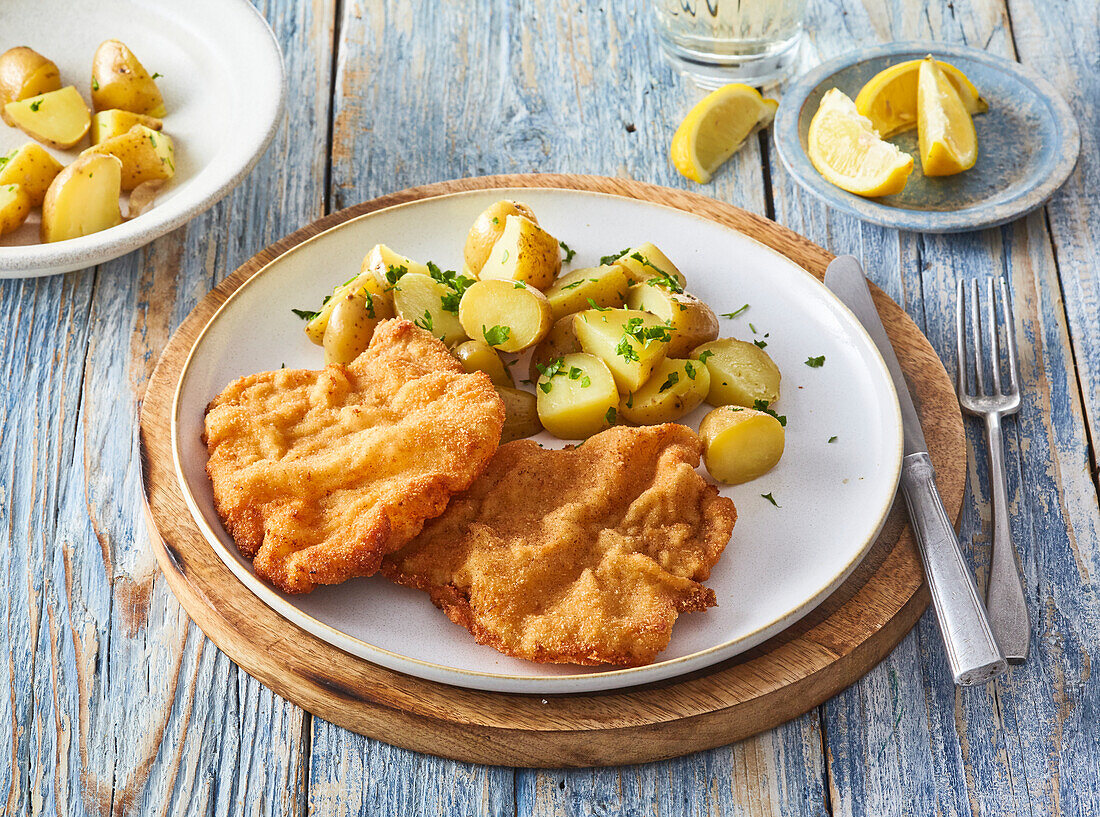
[120, 705]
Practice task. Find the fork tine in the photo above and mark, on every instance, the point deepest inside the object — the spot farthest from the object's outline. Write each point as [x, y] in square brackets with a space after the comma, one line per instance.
[994, 346]
[960, 335]
[1010, 339]
[976, 335]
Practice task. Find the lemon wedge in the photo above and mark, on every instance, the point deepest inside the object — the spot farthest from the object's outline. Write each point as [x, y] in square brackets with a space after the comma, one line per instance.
[716, 128]
[948, 142]
[847, 151]
[889, 99]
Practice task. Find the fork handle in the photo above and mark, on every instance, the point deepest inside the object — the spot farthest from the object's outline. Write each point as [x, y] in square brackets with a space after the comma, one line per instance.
[1005, 594]
[972, 651]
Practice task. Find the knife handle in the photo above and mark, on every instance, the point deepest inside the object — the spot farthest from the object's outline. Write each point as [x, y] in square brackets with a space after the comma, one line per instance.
[972, 651]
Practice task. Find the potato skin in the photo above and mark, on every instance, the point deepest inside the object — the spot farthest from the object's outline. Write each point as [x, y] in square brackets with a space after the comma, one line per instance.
[25, 73]
[32, 168]
[521, 416]
[119, 80]
[692, 321]
[478, 356]
[115, 122]
[145, 154]
[521, 308]
[676, 388]
[378, 300]
[487, 228]
[83, 199]
[15, 206]
[524, 252]
[350, 328]
[740, 444]
[740, 373]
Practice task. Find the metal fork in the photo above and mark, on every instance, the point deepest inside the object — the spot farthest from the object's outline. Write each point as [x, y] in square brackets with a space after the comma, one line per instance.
[1005, 596]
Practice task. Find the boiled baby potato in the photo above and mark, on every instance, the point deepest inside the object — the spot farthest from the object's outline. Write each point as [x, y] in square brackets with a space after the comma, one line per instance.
[579, 289]
[577, 397]
[25, 73]
[561, 340]
[115, 122]
[145, 155]
[675, 388]
[119, 80]
[428, 303]
[740, 373]
[740, 444]
[83, 198]
[524, 252]
[388, 266]
[32, 168]
[692, 321]
[647, 263]
[15, 206]
[350, 327]
[487, 228]
[478, 356]
[630, 342]
[521, 415]
[378, 301]
[509, 315]
[59, 118]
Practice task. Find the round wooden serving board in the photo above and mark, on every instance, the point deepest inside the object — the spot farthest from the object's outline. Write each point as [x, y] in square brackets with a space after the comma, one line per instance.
[811, 661]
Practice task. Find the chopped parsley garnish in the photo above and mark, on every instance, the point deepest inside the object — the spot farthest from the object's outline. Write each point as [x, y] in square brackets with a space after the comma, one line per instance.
[450, 302]
[496, 220]
[157, 75]
[761, 343]
[504, 258]
[573, 285]
[568, 252]
[586, 381]
[95, 84]
[519, 285]
[458, 284]
[36, 105]
[597, 307]
[425, 322]
[815, 362]
[625, 350]
[689, 369]
[832, 439]
[394, 273]
[611, 415]
[771, 499]
[735, 313]
[575, 373]
[305, 314]
[673, 379]
[497, 335]
[630, 400]
[762, 405]
[634, 328]
[704, 355]
[611, 259]
[370, 303]
[152, 140]
[752, 327]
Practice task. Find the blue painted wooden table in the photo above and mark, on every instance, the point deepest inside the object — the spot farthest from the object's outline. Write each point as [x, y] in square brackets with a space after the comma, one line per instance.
[116, 704]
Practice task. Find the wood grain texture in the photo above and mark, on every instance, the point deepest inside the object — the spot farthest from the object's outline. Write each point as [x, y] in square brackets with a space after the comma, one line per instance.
[776, 681]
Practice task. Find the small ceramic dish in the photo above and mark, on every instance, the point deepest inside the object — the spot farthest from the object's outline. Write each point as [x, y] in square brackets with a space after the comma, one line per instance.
[223, 84]
[1028, 142]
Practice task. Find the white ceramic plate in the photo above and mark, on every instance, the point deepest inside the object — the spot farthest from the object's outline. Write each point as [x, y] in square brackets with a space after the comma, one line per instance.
[781, 561]
[223, 86]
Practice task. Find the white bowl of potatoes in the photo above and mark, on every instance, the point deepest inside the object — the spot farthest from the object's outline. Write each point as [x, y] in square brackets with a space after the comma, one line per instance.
[123, 120]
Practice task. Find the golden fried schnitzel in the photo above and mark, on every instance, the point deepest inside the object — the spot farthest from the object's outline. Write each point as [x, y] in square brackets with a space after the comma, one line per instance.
[318, 474]
[583, 556]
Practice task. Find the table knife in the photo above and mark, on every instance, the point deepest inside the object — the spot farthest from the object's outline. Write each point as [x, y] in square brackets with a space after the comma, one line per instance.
[972, 651]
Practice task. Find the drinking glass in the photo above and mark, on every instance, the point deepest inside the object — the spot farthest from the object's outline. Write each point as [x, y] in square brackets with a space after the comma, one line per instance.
[720, 41]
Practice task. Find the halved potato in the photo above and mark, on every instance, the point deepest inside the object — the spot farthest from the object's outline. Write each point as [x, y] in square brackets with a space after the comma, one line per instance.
[59, 118]
[630, 342]
[579, 289]
[145, 155]
[427, 303]
[577, 397]
[350, 327]
[25, 73]
[509, 315]
[119, 80]
[647, 263]
[115, 122]
[524, 252]
[378, 301]
[32, 168]
[740, 373]
[388, 266]
[83, 199]
[521, 415]
[15, 206]
[487, 228]
[478, 356]
[692, 321]
[561, 340]
[740, 444]
[675, 388]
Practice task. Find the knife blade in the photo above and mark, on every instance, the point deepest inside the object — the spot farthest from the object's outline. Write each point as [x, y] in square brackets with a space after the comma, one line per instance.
[972, 651]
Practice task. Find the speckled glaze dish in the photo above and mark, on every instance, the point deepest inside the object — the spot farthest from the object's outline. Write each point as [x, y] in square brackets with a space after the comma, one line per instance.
[1028, 142]
[223, 84]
